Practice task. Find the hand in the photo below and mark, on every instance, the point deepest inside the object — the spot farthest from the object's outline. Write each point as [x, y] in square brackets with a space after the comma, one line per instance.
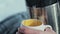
[23, 30]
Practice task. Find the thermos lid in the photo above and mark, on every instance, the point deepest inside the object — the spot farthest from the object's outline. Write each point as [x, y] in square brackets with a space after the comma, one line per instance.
[40, 3]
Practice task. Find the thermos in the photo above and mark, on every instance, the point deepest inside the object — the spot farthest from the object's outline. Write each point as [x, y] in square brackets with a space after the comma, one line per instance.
[44, 10]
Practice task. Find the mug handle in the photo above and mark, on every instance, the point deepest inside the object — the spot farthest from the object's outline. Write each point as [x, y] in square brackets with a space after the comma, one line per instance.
[48, 26]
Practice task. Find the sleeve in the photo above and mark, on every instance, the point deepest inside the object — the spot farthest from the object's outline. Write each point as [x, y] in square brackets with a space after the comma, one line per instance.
[11, 24]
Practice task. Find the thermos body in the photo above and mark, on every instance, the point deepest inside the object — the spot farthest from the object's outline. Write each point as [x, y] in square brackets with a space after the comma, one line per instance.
[46, 11]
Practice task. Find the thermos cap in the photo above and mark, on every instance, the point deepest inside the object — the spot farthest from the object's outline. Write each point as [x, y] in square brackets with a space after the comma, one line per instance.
[40, 3]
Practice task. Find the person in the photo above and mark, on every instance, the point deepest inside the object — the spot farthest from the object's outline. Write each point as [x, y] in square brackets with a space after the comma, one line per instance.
[23, 30]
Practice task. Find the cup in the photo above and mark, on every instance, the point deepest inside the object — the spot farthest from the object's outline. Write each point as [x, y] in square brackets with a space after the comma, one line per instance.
[34, 24]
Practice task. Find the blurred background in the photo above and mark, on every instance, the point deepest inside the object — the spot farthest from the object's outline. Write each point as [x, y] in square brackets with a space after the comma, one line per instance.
[10, 7]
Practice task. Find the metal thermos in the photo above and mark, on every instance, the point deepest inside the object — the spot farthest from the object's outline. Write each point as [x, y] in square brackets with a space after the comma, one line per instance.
[44, 10]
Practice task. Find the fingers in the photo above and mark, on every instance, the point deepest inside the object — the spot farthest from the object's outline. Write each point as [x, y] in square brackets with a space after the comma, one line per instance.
[28, 31]
[18, 33]
[21, 30]
[49, 30]
[24, 30]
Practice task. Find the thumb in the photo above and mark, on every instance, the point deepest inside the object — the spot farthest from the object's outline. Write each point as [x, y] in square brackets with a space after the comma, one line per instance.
[48, 29]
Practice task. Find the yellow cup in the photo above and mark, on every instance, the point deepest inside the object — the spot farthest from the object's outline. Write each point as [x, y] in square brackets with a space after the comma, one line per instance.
[34, 24]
